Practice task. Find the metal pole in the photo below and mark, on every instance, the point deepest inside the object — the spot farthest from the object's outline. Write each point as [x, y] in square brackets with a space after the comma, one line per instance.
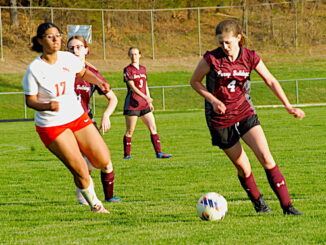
[94, 110]
[296, 26]
[25, 108]
[52, 15]
[1, 38]
[103, 37]
[199, 38]
[153, 38]
[163, 98]
[297, 91]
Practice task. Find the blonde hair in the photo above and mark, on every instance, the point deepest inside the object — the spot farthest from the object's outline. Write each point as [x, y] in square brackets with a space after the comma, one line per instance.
[231, 25]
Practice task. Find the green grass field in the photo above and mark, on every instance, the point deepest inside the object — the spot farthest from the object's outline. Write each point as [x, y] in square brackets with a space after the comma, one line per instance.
[38, 206]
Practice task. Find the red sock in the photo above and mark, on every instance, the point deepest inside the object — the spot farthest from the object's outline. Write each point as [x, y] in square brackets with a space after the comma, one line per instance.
[127, 145]
[107, 180]
[249, 185]
[156, 143]
[277, 182]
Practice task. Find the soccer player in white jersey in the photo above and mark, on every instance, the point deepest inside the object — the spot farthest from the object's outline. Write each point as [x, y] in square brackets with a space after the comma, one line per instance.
[63, 126]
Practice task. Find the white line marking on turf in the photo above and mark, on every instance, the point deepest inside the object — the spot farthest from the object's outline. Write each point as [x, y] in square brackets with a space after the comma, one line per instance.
[16, 148]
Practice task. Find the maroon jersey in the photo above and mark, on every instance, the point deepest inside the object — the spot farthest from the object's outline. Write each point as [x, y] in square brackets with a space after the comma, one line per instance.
[133, 101]
[85, 90]
[229, 81]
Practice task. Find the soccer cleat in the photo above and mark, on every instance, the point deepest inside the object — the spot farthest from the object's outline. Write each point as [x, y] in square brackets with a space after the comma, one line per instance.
[113, 199]
[127, 157]
[99, 209]
[163, 155]
[290, 210]
[260, 205]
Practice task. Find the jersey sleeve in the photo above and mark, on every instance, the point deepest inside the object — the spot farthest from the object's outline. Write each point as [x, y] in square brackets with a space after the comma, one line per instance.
[127, 76]
[254, 60]
[75, 63]
[29, 83]
[208, 58]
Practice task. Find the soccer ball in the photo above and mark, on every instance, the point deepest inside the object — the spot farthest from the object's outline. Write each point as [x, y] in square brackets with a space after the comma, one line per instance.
[212, 206]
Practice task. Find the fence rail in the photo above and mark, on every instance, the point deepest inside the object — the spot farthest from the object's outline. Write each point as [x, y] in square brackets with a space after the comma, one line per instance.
[309, 91]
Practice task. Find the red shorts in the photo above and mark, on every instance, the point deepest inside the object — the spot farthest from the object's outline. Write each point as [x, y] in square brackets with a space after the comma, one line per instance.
[49, 134]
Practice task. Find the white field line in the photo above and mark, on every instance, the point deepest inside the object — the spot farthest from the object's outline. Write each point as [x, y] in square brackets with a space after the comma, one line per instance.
[16, 148]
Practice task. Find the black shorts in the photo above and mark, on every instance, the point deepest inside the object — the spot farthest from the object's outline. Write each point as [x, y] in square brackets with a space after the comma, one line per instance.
[136, 113]
[225, 138]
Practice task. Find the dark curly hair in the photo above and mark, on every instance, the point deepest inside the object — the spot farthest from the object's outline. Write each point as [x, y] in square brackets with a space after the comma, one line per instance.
[41, 29]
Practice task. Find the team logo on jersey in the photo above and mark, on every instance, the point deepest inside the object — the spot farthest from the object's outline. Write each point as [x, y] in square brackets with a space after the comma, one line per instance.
[83, 87]
[65, 69]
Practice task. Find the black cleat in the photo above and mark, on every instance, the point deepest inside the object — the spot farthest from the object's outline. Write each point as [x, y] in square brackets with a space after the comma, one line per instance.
[290, 210]
[260, 205]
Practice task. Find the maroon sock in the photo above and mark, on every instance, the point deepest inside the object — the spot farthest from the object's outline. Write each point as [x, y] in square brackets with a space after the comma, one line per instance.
[107, 180]
[156, 143]
[249, 185]
[278, 184]
[127, 145]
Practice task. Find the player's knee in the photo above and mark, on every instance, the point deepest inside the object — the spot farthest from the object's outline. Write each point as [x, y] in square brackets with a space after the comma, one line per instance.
[108, 168]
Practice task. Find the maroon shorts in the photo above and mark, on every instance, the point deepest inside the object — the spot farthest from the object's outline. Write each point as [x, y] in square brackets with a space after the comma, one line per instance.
[49, 134]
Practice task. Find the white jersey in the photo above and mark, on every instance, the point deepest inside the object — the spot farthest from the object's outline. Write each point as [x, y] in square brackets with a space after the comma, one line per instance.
[54, 82]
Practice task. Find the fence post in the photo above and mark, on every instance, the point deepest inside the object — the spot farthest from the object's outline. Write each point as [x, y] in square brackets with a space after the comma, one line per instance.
[297, 91]
[94, 105]
[1, 39]
[199, 37]
[163, 98]
[52, 15]
[103, 37]
[296, 26]
[152, 31]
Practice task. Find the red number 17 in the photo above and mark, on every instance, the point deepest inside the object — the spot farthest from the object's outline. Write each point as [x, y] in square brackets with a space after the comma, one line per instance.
[61, 88]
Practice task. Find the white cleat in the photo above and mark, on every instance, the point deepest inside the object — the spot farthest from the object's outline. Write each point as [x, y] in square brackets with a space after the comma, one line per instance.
[99, 209]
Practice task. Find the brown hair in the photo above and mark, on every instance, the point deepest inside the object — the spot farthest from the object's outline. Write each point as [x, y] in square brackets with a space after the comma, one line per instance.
[41, 29]
[131, 48]
[231, 25]
[80, 38]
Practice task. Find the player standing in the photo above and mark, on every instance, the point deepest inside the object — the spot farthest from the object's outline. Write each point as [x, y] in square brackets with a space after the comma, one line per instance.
[84, 90]
[138, 103]
[230, 113]
[63, 126]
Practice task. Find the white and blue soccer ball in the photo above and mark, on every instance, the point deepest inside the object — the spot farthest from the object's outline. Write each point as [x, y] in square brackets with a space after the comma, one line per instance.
[212, 207]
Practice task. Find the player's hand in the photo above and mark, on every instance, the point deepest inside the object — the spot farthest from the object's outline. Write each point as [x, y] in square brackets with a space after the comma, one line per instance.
[54, 106]
[149, 100]
[151, 107]
[296, 112]
[219, 107]
[105, 124]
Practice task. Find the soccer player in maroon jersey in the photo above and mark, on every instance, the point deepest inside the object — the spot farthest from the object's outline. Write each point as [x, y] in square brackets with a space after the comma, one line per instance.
[138, 103]
[84, 90]
[230, 115]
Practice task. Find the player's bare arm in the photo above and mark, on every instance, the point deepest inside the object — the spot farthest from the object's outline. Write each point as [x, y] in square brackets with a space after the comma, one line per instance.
[92, 78]
[132, 86]
[112, 104]
[276, 88]
[196, 82]
[34, 103]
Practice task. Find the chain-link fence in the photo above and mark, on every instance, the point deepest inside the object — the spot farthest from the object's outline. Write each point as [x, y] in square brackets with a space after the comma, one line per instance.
[182, 97]
[169, 32]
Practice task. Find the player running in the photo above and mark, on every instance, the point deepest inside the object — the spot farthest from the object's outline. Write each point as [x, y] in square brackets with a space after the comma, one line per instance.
[138, 103]
[230, 113]
[63, 126]
[84, 90]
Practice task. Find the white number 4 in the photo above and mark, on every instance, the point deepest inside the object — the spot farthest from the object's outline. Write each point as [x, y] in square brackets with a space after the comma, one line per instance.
[231, 86]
